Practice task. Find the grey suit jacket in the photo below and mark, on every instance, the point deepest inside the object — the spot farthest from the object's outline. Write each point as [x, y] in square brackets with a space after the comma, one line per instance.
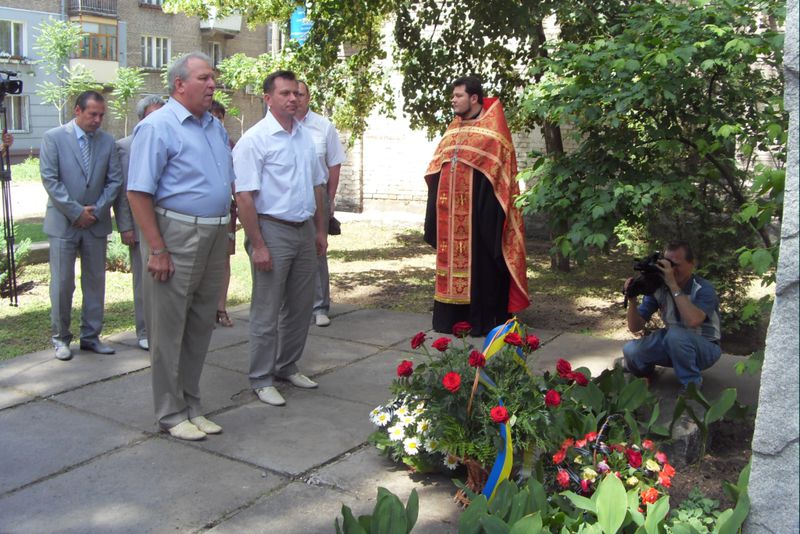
[66, 183]
[122, 209]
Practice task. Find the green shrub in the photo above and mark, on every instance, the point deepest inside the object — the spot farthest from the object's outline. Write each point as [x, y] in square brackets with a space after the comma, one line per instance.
[20, 255]
[118, 254]
[388, 517]
[26, 172]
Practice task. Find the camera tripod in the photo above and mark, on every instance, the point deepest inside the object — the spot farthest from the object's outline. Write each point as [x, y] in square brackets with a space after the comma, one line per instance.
[9, 285]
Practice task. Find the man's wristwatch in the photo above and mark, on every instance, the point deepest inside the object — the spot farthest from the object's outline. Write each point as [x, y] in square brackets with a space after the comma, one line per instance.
[158, 251]
[676, 294]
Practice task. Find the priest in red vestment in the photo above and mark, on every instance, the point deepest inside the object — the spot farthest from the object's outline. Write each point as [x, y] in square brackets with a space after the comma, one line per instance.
[471, 219]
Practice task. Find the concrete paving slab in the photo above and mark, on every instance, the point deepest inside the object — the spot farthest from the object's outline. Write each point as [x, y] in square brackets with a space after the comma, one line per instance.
[580, 350]
[12, 397]
[311, 429]
[320, 354]
[129, 399]
[359, 474]
[383, 328]
[124, 338]
[41, 374]
[159, 485]
[42, 438]
[224, 337]
[366, 382]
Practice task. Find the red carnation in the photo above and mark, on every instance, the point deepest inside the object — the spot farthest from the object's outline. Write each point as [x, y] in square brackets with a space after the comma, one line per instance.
[559, 456]
[590, 436]
[513, 339]
[563, 478]
[552, 398]
[532, 342]
[664, 480]
[649, 496]
[634, 458]
[441, 344]
[585, 485]
[648, 444]
[476, 359]
[579, 378]
[406, 368]
[418, 340]
[668, 470]
[461, 329]
[499, 414]
[661, 457]
[563, 367]
[451, 381]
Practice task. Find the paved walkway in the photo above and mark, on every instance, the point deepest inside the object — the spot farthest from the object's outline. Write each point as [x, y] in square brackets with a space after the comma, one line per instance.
[79, 451]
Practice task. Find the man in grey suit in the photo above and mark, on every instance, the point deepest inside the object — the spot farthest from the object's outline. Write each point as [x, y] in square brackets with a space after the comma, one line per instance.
[125, 223]
[81, 173]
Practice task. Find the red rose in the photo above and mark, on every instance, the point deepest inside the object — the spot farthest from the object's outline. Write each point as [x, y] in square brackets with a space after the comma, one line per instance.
[647, 444]
[552, 398]
[664, 480]
[406, 368]
[451, 381]
[585, 485]
[569, 442]
[668, 470]
[649, 496]
[661, 457]
[513, 339]
[559, 456]
[579, 378]
[590, 436]
[634, 458]
[532, 342]
[499, 414]
[564, 368]
[581, 443]
[476, 359]
[563, 478]
[418, 340]
[461, 329]
[441, 344]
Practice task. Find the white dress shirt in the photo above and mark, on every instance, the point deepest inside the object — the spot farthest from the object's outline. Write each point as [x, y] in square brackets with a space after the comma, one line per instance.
[280, 167]
[326, 140]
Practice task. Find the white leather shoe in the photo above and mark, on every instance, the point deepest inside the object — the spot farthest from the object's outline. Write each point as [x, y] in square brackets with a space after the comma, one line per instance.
[63, 352]
[186, 431]
[299, 380]
[144, 344]
[209, 427]
[320, 319]
[270, 395]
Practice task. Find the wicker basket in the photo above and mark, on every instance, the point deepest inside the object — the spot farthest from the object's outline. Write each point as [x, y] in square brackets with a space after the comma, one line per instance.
[476, 480]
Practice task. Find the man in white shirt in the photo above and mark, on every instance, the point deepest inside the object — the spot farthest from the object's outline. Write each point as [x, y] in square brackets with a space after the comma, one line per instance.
[279, 183]
[331, 156]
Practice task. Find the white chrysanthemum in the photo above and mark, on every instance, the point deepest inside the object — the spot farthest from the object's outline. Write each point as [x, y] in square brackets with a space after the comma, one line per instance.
[396, 432]
[431, 445]
[419, 409]
[423, 426]
[407, 420]
[382, 419]
[401, 411]
[411, 445]
[450, 462]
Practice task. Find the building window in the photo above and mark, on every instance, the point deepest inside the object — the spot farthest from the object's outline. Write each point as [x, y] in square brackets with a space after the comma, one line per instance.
[99, 41]
[151, 2]
[215, 52]
[155, 51]
[11, 38]
[17, 113]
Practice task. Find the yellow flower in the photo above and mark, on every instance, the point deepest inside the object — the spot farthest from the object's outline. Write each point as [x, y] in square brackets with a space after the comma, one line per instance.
[652, 465]
[632, 481]
[578, 460]
[589, 474]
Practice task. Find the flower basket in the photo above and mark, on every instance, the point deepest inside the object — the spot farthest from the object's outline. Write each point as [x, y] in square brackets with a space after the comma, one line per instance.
[476, 480]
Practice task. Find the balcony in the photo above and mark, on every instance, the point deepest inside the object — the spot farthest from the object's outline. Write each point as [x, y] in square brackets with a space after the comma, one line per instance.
[103, 8]
[226, 27]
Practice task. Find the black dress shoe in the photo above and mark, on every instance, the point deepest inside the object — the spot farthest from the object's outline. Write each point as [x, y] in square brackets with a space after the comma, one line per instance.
[97, 346]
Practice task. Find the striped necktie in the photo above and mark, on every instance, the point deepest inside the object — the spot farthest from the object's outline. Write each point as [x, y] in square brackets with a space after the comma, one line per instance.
[86, 153]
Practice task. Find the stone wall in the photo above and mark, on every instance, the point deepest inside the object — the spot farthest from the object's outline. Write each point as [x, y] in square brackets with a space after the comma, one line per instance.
[775, 474]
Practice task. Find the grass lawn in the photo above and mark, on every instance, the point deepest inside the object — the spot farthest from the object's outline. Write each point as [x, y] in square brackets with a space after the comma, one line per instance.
[29, 229]
[26, 172]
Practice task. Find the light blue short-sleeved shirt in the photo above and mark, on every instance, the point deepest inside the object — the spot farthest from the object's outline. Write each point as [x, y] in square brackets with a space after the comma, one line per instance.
[701, 293]
[183, 161]
[326, 141]
[281, 168]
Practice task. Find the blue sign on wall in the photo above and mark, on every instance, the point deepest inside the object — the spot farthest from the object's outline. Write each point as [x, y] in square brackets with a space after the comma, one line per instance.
[299, 25]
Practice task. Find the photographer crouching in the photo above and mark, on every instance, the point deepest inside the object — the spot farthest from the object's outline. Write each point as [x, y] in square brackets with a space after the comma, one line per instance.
[689, 307]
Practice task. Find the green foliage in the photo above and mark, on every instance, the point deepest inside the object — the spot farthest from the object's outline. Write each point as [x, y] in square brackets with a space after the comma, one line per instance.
[117, 254]
[127, 85]
[705, 412]
[388, 517]
[21, 251]
[672, 105]
[26, 172]
[697, 511]
[751, 365]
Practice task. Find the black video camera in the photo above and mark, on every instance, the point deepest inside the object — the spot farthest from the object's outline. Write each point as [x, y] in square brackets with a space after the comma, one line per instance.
[648, 277]
[9, 86]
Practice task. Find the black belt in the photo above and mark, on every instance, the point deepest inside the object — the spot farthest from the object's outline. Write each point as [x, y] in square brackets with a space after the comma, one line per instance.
[293, 224]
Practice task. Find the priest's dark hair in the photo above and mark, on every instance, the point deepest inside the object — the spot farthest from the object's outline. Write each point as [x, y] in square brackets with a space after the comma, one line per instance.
[473, 86]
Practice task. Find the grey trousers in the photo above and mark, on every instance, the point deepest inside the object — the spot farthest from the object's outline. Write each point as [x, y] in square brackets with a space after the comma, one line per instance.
[63, 252]
[180, 315]
[322, 284]
[278, 336]
[138, 299]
